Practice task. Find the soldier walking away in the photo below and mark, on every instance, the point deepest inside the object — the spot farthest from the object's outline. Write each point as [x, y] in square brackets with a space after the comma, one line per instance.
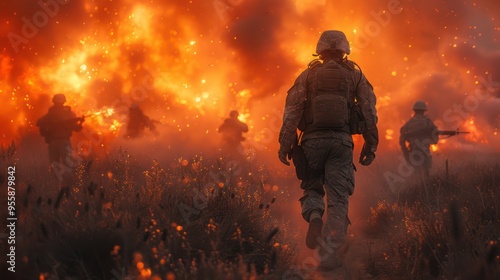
[232, 130]
[138, 122]
[325, 104]
[57, 127]
[415, 139]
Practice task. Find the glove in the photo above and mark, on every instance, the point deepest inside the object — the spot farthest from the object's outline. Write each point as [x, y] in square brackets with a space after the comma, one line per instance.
[285, 153]
[366, 157]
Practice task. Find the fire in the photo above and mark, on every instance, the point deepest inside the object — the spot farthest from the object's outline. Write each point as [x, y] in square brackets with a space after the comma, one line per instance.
[475, 135]
[389, 133]
[182, 68]
[104, 120]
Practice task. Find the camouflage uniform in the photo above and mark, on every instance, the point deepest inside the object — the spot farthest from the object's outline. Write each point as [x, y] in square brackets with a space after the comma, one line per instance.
[56, 127]
[329, 150]
[419, 132]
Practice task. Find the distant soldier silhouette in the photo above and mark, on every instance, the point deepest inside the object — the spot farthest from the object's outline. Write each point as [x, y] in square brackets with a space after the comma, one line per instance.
[323, 104]
[232, 131]
[415, 139]
[138, 122]
[57, 127]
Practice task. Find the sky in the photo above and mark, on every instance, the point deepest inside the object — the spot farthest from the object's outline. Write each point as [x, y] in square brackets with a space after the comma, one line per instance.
[188, 63]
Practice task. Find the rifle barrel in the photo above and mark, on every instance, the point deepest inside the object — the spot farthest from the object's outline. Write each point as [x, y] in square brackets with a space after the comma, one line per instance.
[451, 132]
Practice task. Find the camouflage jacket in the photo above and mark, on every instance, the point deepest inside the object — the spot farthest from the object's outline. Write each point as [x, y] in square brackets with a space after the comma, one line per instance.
[295, 106]
[420, 132]
[232, 130]
[58, 123]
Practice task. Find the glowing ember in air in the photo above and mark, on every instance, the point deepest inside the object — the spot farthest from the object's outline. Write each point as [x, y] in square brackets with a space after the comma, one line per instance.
[476, 134]
[389, 133]
[175, 63]
[109, 112]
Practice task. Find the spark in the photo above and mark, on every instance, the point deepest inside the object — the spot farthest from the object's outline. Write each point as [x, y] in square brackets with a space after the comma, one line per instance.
[389, 133]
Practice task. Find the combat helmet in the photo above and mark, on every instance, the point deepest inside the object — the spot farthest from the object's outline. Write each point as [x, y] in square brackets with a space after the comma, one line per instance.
[419, 106]
[333, 40]
[59, 98]
[234, 114]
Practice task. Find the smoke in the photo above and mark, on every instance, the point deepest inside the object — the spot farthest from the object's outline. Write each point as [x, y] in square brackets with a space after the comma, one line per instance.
[183, 61]
[188, 63]
[254, 34]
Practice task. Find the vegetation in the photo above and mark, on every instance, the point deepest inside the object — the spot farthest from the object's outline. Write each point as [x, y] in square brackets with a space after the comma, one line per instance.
[195, 219]
[207, 219]
[441, 229]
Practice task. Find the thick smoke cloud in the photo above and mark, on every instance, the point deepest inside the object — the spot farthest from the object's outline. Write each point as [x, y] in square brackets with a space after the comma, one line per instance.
[254, 32]
[195, 59]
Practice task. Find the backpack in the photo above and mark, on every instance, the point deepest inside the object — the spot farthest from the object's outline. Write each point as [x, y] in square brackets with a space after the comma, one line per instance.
[330, 104]
[329, 97]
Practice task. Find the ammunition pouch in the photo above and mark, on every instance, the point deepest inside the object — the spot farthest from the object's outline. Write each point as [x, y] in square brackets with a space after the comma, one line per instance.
[357, 124]
[329, 111]
[302, 169]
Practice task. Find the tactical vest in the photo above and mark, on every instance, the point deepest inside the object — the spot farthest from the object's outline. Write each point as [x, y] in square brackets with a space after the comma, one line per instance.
[328, 100]
[419, 127]
[58, 123]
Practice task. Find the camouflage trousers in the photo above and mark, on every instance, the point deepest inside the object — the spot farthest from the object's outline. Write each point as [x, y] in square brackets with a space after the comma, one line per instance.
[335, 157]
[59, 150]
[421, 160]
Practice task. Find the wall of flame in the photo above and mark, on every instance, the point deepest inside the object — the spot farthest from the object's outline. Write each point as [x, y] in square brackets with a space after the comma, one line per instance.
[188, 63]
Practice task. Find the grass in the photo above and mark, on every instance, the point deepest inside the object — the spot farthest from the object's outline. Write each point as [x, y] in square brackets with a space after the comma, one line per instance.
[440, 229]
[200, 218]
[190, 220]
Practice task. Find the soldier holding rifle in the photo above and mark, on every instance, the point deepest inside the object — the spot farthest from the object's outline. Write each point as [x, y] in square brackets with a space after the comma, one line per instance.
[56, 127]
[416, 137]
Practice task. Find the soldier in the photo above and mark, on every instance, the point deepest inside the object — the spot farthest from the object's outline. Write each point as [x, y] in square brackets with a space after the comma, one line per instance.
[419, 132]
[232, 130]
[319, 104]
[56, 127]
[138, 122]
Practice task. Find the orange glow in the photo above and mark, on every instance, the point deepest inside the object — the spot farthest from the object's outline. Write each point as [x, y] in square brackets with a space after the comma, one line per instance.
[170, 276]
[146, 272]
[188, 71]
[476, 134]
[389, 134]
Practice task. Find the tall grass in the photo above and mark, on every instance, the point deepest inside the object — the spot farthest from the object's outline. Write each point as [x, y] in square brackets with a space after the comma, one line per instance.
[114, 221]
[443, 228]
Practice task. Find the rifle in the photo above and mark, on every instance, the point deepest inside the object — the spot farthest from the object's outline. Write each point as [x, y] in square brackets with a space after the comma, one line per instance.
[450, 133]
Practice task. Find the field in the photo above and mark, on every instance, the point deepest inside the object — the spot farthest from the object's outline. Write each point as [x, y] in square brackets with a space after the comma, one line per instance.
[205, 218]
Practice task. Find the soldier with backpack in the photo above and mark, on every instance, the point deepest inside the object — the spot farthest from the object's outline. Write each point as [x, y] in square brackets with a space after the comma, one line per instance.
[56, 127]
[329, 101]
